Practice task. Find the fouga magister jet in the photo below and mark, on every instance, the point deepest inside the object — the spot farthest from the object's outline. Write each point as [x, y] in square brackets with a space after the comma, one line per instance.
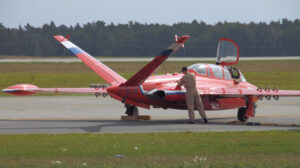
[220, 86]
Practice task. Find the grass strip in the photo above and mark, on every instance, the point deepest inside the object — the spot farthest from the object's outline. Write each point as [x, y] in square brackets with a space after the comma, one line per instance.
[211, 149]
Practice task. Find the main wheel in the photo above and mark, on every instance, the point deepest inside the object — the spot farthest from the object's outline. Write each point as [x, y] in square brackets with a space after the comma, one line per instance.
[132, 110]
[241, 114]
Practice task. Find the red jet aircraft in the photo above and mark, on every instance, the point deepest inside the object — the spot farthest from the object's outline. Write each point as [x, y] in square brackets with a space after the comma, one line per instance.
[219, 86]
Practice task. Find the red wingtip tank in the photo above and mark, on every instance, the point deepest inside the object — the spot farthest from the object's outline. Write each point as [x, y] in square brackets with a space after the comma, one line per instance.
[21, 89]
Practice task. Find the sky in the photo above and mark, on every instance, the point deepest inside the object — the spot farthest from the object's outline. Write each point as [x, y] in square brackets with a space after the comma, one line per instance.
[69, 12]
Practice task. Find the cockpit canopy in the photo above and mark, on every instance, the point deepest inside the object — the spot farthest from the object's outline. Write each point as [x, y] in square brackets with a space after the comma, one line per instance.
[199, 68]
[227, 53]
[215, 71]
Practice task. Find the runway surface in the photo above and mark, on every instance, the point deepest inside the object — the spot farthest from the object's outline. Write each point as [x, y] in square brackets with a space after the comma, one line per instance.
[87, 114]
[103, 59]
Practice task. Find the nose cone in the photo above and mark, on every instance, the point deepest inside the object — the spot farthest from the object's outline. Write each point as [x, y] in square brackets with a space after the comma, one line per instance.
[113, 90]
[21, 89]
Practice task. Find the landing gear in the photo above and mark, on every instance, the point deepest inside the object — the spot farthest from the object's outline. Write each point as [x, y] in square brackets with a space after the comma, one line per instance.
[241, 114]
[131, 110]
[244, 113]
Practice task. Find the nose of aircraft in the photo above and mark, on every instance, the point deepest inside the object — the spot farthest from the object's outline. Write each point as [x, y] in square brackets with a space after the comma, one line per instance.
[113, 89]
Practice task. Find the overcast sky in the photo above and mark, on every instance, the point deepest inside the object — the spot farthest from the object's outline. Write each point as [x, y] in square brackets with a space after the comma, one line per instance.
[69, 12]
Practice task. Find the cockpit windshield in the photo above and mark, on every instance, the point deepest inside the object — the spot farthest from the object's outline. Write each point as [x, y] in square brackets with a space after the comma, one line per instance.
[217, 71]
[199, 68]
[243, 79]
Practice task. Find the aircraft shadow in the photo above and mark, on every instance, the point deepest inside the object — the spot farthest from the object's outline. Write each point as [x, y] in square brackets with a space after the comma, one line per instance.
[100, 124]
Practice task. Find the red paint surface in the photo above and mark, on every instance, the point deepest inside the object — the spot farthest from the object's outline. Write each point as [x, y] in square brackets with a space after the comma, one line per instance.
[217, 94]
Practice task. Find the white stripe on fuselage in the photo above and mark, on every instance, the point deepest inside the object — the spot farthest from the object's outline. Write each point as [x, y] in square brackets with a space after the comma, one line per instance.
[166, 91]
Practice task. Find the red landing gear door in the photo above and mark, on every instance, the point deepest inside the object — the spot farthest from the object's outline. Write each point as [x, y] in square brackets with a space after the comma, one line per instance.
[227, 53]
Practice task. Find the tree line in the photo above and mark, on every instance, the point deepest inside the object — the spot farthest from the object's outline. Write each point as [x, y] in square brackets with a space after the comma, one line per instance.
[277, 38]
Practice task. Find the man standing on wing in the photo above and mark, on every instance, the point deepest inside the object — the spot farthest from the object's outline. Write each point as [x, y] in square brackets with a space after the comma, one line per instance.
[192, 96]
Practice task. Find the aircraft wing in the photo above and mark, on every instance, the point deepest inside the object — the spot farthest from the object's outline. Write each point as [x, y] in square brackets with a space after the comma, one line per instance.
[232, 92]
[152, 66]
[27, 89]
[102, 70]
[72, 90]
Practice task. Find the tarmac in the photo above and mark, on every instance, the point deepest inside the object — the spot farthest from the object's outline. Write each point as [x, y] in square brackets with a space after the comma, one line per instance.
[87, 114]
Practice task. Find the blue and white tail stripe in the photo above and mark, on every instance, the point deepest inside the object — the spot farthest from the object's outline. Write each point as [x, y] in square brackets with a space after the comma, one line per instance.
[72, 47]
[102, 70]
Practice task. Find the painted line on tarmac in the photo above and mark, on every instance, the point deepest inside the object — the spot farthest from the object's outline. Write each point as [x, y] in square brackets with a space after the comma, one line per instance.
[261, 124]
[59, 119]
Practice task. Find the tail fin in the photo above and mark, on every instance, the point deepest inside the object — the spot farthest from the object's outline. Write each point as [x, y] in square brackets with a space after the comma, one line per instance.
[151, 67]
[102, 70]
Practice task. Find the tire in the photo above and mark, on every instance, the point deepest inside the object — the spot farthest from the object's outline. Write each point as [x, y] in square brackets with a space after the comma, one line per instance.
[241, 114]
[135, 111]
[132, 110]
